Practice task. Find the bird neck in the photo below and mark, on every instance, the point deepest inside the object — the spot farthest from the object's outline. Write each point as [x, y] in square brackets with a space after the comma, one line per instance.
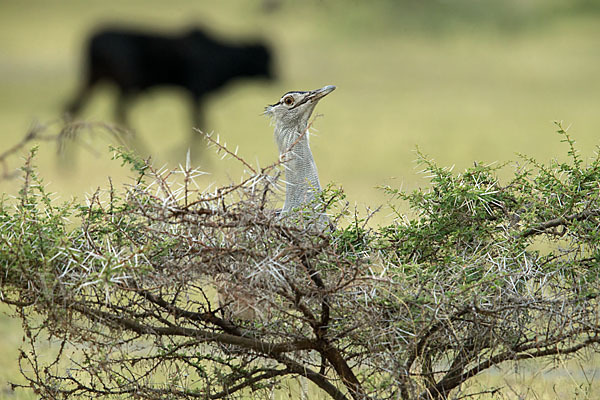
[302, 178]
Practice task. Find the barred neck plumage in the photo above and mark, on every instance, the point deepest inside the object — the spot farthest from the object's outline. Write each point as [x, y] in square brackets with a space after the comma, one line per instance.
[301, 176]
[291, 115]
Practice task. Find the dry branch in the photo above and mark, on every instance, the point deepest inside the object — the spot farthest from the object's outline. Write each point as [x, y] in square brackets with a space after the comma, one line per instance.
[411, 310]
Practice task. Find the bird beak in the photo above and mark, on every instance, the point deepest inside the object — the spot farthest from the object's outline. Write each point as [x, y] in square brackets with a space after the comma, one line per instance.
[318, 94]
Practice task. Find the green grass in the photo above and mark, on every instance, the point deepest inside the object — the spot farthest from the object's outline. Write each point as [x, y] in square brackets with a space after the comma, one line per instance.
[460, 93]
[574, 379]
[461, 80]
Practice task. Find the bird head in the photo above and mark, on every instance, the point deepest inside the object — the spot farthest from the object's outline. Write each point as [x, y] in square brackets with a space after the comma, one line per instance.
[294, 109]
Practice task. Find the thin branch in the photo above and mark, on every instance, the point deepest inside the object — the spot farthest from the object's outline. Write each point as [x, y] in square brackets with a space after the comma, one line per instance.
[200, 335]
[560, 221]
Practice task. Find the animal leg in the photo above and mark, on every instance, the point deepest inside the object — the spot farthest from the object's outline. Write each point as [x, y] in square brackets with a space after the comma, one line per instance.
[197, 116]
[121, 109]
[74, 106]
[197, 141]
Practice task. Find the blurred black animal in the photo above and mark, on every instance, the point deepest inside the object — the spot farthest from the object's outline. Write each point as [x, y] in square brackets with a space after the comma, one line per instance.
[195, 61]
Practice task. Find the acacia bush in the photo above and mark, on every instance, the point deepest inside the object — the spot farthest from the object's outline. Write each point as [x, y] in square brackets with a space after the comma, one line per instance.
[478, 273]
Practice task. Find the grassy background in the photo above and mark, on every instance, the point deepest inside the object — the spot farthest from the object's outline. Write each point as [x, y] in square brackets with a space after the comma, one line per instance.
[463, 80]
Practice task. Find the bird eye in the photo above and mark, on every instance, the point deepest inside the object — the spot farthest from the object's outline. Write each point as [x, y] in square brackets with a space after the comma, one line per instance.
[288, 101]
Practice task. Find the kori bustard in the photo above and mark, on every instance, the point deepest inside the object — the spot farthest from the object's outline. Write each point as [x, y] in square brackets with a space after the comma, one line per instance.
[290, 116]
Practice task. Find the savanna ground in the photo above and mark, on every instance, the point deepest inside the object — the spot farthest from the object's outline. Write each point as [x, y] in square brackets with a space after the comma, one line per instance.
[462, 80]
